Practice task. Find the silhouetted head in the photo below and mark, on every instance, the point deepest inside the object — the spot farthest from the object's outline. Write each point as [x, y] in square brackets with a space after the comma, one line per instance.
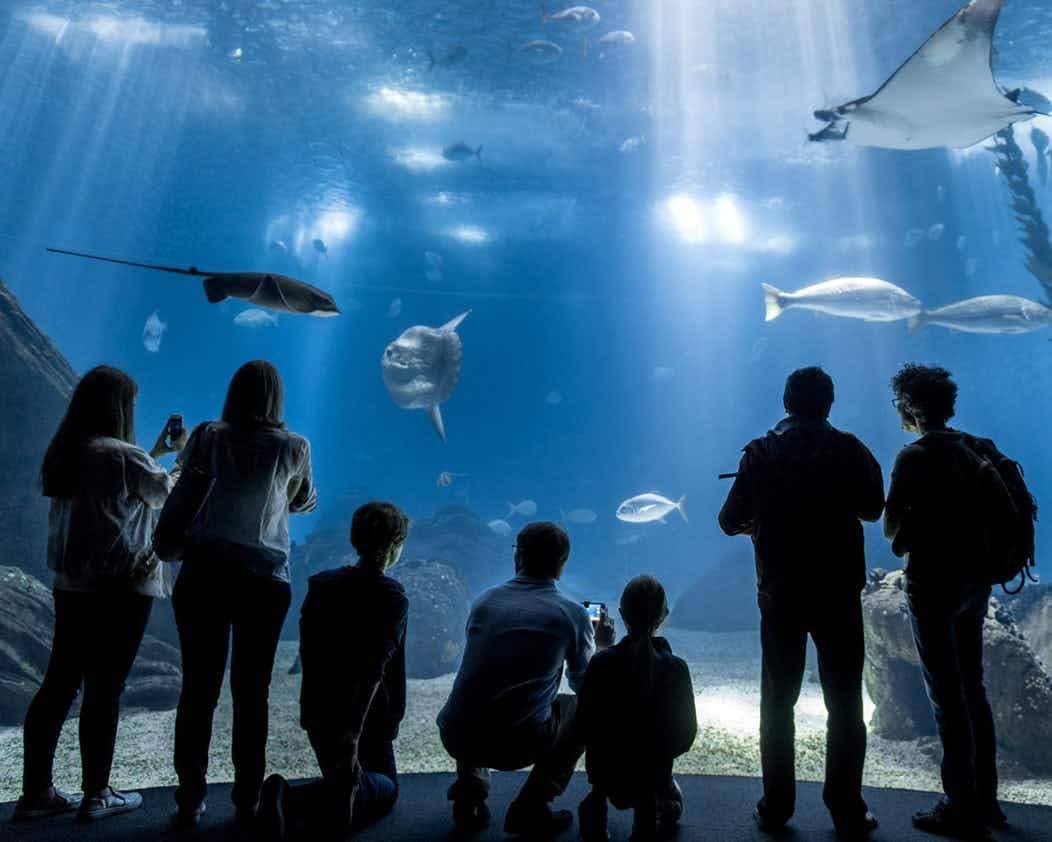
[925, 396]
[378, 533]
[255, 397]
[103, 404]
[809, 394]
[541, 550]
[644, 606]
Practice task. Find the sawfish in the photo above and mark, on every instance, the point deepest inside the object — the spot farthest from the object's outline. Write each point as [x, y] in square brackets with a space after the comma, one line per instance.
[264, 289]
[943, 95]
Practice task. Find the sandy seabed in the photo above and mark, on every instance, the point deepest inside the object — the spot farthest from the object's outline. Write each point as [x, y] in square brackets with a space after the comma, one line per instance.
[725, 669]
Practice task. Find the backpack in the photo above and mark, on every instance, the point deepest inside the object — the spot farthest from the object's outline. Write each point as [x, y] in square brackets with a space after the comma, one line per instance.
[1010, 512]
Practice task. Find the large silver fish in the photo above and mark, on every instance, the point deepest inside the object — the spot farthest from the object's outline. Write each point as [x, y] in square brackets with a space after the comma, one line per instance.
[870, 299]
[987, 314]
[264, 289]
[422, 367]
[943, 95]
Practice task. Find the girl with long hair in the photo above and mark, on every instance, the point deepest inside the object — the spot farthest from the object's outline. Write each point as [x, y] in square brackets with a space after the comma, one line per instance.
[105, 497]
[233, 589]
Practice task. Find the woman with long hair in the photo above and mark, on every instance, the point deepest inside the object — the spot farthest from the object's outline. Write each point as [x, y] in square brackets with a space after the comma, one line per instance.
[233, 590]
[105, 497]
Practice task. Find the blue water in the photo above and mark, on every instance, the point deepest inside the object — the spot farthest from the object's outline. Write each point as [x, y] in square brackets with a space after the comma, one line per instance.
[196, 133]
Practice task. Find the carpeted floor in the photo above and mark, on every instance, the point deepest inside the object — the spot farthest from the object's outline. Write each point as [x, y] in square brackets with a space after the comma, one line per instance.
[718, 809]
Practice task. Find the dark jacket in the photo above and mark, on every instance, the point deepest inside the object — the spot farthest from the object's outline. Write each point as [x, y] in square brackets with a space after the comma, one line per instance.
[352, 645]
[800, 493]
[636, 714]
[933, 512]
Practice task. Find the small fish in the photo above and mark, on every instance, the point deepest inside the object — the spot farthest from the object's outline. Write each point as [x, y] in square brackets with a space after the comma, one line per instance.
[319, 245]
[584, 16]
[527, 508]
[499, 527]
[650, 507]
[279, 246]
[541, 50]
[394, 309]
[553, 398]
[940, 193]
[987, 314]
[255, 318]
[962, 243]
[618, 37]
[631, 144]
[434, 276]
[936, 231]
[450, 58]
[153, 333]
[236, 53]
[460, 151]
[446, 478]
[581, 516]
[433, 259]
[970, 266]
[870, 299]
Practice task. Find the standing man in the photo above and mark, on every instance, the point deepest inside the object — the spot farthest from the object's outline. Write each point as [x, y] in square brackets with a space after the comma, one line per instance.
[505, 710]
[937, 510]
[800, 494]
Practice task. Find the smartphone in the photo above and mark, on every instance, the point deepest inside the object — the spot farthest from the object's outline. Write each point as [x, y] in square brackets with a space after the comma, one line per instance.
[175, 427]
[596, 610]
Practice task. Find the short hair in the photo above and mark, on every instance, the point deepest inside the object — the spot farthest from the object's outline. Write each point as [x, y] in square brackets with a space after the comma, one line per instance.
[255, 397]
[644, 605]
[376, 527]
[543, 549]
[809, 393]
[927, 392]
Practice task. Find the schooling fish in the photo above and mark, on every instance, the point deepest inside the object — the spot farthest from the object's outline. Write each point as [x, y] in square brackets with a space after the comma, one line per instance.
[647, 508]
[450, 58]
[499, 527]
[527, 508]
[987, 314]
[583, 516]
[582, 15]
[264, 289]
[460, 151]
[870, 299]
[541, 50]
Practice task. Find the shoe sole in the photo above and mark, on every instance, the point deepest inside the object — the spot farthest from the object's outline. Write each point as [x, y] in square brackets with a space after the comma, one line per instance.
[105, 813]
[33, 815]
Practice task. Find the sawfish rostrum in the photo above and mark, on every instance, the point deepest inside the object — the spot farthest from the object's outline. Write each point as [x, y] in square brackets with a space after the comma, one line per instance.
[943, 95]
[422, 366]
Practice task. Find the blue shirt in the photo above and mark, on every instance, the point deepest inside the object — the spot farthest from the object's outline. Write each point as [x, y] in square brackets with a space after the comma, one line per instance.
[519, 635]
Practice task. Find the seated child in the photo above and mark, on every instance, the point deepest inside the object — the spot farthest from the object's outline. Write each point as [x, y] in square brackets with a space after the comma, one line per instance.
[636, 714]
[352, 646]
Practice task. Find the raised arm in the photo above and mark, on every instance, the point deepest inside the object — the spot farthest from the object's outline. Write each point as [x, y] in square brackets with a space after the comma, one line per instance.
[303, 496]
[738, 515]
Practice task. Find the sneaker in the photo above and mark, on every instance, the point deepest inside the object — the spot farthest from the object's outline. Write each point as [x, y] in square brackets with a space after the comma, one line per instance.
[108, 802]
[187, 818]
[858, 827]
[767, 821]
[54, 802]
[533, 818]
[271, 815]
[947, 820]
[470, 816]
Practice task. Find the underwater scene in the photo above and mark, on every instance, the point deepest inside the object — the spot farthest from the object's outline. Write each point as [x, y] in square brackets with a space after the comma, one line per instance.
[522, 261]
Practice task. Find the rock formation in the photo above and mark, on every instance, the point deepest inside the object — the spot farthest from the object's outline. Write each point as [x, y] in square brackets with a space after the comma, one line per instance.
[27, 621]
[1032, 609]
[458, 537]
[438, 610]
[1017, 683]
[723, 599]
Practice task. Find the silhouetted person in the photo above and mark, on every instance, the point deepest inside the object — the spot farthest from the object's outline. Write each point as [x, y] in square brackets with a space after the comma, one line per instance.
[352, 645]
[505, 710]
[800, 494]
[934, 518]
[233, 589]
[106, 494]
[636, 714]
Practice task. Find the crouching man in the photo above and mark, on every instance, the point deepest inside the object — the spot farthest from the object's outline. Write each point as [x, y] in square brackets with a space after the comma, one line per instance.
[505, 710]
[352, 700]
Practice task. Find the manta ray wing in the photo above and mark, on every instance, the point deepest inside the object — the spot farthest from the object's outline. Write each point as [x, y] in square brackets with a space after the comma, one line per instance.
[942, 95]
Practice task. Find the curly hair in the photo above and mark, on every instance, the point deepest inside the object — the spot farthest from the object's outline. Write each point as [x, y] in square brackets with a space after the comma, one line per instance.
[927, 392]
[376, 527]
[808, 393]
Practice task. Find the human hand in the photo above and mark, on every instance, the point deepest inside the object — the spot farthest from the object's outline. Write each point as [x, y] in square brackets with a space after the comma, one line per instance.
[163, 446]
[605, 632]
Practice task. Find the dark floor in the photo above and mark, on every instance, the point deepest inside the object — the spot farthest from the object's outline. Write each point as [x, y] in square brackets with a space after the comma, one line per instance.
[718, 809]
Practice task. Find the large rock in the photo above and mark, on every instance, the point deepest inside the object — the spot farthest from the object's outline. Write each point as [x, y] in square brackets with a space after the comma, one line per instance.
[438, 611]
[457, 536]
[27, 623]
[723, 599]
[36, 382]
[1017, 683]
[1032, 609]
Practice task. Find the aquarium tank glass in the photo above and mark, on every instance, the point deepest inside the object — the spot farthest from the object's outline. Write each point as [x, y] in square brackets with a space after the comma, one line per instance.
[573, 259]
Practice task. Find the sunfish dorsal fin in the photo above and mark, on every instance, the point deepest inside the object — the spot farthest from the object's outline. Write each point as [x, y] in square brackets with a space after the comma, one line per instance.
[453, 324]
[435, 413]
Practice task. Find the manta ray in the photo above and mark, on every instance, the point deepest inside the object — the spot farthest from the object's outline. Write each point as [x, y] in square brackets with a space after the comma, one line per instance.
[944, 94]
[264, 289]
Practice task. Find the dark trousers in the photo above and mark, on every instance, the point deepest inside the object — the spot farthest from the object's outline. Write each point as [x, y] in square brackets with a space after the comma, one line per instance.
[553, 749]
[836, 628]
[347, 795]
[97, 637]
[949, 637]
[217, 610]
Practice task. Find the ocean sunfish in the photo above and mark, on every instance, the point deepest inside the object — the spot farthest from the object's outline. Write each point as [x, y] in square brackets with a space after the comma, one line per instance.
[870, 299]
[264, 289]
[944, 94]
[422, 367]
[987, 314]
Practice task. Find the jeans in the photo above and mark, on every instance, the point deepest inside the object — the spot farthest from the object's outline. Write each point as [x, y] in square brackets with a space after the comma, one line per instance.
[212, 606]
[836, 628]
[346, 795]
[97, 637]
[948, 632]
[553, 750]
